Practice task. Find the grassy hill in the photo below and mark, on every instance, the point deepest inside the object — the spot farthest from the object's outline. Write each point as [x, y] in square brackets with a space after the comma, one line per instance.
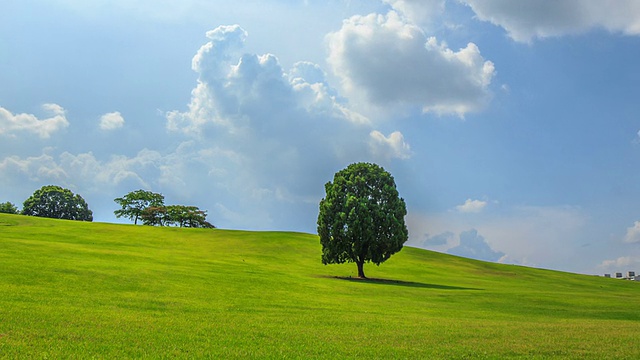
[91, 290]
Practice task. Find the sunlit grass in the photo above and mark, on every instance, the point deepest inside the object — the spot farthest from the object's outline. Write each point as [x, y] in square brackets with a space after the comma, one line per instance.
[82, 290]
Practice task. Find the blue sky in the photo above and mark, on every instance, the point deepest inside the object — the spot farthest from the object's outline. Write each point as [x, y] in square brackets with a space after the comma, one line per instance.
[511, 128]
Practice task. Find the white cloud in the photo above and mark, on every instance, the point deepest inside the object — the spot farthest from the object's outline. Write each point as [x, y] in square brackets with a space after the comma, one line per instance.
[391, 61]
[389, 147]
[472, 206]
[526, 20]
[10, 123]
[633, 233]
[254, 91]
[111, 121]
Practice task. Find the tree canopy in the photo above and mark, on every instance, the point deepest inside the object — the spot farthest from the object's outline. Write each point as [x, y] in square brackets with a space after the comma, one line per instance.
[361, 218]
[56, 202]
[8, 208]
[178, 215]
[135, 202]
[188, 216]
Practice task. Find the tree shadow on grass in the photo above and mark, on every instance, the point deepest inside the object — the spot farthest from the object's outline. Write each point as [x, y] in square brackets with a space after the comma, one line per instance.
[400, 283]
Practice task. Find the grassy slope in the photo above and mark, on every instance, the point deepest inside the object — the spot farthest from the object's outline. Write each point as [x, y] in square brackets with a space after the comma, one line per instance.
[72, 289]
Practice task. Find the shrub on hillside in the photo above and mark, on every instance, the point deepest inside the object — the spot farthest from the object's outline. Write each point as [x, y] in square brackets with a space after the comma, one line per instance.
[8, 208]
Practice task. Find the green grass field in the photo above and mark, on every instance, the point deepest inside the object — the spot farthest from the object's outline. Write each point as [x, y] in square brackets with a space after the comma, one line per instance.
[92, 290]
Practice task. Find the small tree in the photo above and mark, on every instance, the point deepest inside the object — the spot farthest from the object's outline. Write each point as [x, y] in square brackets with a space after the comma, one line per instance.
[55, 202]
[361, 219]
[8, 208]
[134, 203]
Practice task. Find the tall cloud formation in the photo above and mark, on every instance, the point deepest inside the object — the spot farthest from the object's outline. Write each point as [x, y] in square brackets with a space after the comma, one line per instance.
[527, 20]
[391, 61]
[278, 135]
[10, 123]
[236, 91]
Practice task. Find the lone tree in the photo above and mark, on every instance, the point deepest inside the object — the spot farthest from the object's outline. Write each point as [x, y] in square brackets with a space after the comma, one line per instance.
[361, 218]
[134, 203]
[56, 202]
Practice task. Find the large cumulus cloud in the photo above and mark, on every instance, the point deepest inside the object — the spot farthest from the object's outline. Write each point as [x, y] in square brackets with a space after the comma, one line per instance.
[279, 134]
[391, 61]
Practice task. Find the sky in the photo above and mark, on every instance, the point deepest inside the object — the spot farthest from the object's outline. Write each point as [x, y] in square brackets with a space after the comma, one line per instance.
[512, 129]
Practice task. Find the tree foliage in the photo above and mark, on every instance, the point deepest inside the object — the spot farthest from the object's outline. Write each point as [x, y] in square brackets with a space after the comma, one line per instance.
[56, 202]
[176, 215]
[154, 216]
[134, 203]
[149, 207]
[188, 216]
[361, 218]
[8, 208]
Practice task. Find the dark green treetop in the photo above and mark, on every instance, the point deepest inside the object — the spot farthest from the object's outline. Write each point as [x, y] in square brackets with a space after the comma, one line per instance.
[8, 208]
[361, 218]
[56, 202]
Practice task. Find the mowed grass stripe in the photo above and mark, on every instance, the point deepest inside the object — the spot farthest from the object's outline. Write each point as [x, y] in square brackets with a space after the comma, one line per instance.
[91, 290]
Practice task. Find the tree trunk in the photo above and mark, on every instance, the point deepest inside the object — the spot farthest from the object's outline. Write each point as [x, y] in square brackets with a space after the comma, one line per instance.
[361, 269]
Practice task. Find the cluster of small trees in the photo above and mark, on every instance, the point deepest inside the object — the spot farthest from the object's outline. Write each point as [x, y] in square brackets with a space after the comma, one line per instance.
[59, 203]
[149, 208]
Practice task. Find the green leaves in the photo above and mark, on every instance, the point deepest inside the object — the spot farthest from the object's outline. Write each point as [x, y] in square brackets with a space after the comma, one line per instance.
[8, 208]
[135, 202]
[149, 207]
[56, 202]
[361, 218]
